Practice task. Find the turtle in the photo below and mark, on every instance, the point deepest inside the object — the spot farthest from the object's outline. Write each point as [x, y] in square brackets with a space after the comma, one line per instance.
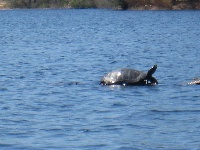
[129, 77]
[195, 81]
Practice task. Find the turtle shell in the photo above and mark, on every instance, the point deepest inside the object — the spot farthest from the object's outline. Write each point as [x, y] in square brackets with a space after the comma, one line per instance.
[123, 76]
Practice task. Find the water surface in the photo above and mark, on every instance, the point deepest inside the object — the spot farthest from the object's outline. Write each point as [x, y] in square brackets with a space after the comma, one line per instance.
[52, 61]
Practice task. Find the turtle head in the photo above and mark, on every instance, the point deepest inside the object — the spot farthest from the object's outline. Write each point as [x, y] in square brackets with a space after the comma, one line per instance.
[151, 71]
[149, 77]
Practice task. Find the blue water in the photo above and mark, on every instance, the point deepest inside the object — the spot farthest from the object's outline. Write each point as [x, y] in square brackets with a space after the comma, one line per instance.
[51, 62]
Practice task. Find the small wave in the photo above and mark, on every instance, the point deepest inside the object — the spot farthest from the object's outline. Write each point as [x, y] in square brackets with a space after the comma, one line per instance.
[175, 111]
[111, 127]
[73, 83]
[94, 146]
[67, 83]
[6, 145]
[127, 148]
[3, 89]
[2, 75]
[118, 105]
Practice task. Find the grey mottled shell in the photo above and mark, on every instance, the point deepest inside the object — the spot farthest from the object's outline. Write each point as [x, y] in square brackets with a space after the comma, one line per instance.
[124, 75]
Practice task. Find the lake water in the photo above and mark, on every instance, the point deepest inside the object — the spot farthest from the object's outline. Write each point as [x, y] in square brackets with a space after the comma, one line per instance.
[51, 62]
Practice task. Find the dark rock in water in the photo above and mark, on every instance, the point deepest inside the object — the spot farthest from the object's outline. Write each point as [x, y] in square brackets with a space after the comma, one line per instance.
[195, 81]
[131, 77]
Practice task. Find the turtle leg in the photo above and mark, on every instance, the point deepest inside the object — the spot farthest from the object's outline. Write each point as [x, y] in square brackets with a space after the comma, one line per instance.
[142, 82]
[102, 83]
[153, 81]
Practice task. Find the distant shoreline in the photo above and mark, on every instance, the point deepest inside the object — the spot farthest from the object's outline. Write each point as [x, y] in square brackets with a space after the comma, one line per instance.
[8, 5]
[117, 9]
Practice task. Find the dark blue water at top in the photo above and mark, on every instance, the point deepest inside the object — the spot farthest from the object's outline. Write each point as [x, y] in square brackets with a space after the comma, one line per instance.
[44, 53]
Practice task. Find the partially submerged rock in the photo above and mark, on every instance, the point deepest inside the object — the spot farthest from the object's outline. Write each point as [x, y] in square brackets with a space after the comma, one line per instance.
[195, 81]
